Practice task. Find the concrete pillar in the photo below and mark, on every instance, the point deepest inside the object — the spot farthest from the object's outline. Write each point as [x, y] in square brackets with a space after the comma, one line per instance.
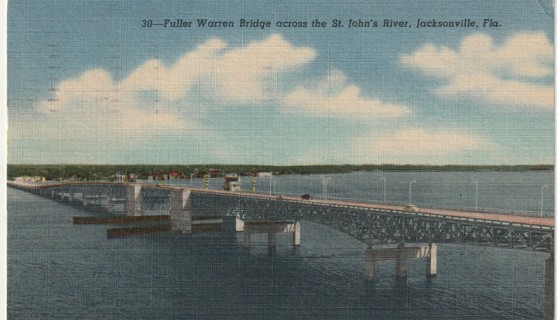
[52, 193]
[239, 224]
[246, 242]
[133, 200]
[369, 264]
[232, 224]
[432, 261]
[297, 236]
[548, 288]
[70, 195]
[180, 211]
[84, 199]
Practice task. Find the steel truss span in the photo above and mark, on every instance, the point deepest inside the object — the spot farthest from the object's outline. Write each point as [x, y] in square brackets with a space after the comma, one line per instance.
[374, 226]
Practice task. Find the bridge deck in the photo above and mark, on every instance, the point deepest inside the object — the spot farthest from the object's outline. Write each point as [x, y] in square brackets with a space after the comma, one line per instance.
[442, 213]
[500, 217]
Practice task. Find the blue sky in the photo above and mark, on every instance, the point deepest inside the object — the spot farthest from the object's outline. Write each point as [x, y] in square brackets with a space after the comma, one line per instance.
[88, 84]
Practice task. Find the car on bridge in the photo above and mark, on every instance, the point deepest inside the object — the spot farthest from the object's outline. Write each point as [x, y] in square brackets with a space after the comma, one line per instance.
[411, 208]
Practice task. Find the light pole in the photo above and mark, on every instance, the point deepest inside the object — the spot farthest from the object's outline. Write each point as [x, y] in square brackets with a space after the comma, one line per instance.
[541, 201]
[384, 189]
[325, 181]
[410, 192]
[476, 182]
[271, 184]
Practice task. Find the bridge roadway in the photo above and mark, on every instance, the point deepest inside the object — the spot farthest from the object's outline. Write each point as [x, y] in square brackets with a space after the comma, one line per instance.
[497, 218]
[368, 222]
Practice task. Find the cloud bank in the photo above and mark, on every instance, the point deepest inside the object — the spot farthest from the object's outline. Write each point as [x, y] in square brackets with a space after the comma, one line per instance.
[333, 96]
[516, 72]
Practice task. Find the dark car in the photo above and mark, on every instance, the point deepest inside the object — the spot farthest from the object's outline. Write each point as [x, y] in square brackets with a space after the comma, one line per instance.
[306, 196]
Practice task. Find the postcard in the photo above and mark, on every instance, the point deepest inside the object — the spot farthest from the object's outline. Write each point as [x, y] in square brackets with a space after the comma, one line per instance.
[280, 159]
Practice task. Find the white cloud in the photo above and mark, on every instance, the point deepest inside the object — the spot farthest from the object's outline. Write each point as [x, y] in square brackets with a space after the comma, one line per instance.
[416, 145]
[232, 74]
[422, 142]
[245, 74]
[173, 82]
[507, 73]
[333, 96]
[407, 146]
[95, 101]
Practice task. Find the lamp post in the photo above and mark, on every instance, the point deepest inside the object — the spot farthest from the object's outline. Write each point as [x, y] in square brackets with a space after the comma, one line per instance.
[476, 182]
[325, 181]
[384, 189]
[541, 201]
[410, 192]
[271, 184]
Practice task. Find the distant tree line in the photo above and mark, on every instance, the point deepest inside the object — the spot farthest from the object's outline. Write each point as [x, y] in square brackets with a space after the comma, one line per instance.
[108, 172]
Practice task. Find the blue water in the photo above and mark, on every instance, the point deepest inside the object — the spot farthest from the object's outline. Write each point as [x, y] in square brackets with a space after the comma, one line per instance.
[57, 270]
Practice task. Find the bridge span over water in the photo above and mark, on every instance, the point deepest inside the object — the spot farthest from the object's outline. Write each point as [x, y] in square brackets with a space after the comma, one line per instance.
[376, 225]
[367, 222]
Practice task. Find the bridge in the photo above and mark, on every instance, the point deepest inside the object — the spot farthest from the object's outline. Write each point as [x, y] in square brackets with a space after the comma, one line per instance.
[377, 225]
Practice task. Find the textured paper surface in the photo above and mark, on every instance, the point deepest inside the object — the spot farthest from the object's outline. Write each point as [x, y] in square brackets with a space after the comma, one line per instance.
[261, 84]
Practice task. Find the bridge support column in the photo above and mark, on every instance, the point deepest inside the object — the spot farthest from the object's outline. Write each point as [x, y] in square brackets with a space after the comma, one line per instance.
[70, 195]
[84, 199]
[271, 228]
[432, 261]
[401, 254]
[133, 200]
[548, 288]
[180, 212]
[297, 236]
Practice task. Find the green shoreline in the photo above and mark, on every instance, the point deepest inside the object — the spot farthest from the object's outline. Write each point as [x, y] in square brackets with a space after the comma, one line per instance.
[95, 172]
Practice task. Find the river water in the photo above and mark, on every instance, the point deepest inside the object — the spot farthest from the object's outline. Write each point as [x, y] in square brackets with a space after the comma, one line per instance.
[57, 270]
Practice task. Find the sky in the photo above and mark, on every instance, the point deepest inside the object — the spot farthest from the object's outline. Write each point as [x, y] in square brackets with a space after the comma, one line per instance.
[89, 84]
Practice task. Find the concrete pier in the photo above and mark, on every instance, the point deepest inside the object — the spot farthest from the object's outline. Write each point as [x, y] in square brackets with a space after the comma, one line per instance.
[132, 206]
[297, 235]
[431, 270]
[401, 255]
[180, 211]
[271, 228]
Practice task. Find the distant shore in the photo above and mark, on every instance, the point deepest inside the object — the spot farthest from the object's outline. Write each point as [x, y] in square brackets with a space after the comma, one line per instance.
[95, 172]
